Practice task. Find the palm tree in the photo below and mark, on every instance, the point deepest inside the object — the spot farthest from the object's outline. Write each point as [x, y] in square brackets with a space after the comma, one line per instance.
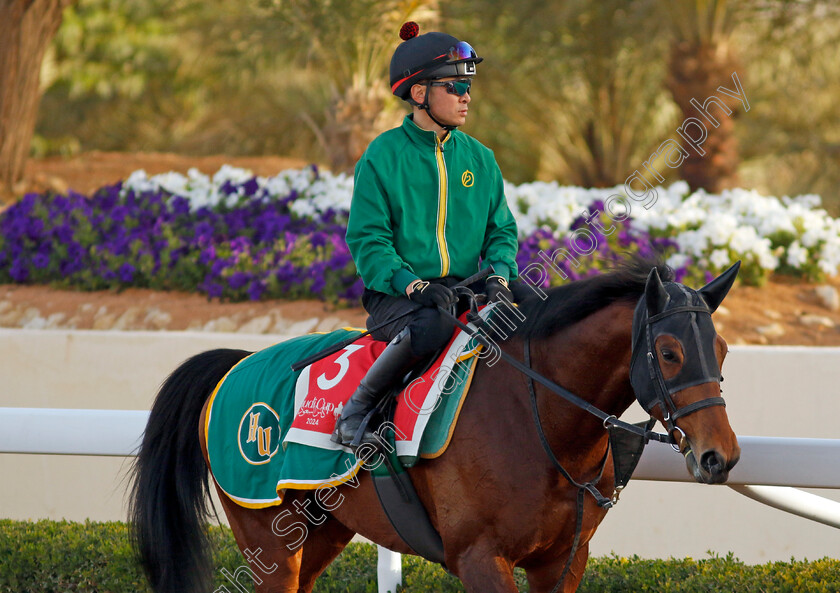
[572, 89]
[701, 59]
[26, 29]
[350, 44]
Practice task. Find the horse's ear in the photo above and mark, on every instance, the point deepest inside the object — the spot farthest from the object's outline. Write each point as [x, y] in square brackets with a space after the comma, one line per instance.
[715, 291]
[656, 296]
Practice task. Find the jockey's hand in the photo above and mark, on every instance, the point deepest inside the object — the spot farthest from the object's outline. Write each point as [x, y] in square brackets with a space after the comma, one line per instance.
[496, 287]
[432, 295]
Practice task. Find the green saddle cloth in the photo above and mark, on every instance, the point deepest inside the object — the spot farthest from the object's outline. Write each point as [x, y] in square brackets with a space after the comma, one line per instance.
[253, 407]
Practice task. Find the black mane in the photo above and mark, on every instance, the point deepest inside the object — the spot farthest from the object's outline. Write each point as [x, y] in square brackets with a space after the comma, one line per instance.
[566, 305]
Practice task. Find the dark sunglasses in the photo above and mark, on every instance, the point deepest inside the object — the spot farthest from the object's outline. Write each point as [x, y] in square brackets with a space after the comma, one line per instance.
[455, 87]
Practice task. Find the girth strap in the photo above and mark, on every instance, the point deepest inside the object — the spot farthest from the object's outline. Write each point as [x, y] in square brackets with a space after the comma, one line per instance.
[404, 508]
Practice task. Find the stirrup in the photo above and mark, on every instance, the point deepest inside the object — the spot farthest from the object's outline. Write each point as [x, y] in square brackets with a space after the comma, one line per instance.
[364, 435]
[361, 435]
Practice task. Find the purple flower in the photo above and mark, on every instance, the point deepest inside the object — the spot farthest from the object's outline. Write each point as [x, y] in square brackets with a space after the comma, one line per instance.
[204, 230]
[180, 206]
[218, 266]
[238, 279]
[35, 228]
[240, 245]
[214, 290]
[19, 271]
[41, 260]
[126, 273]
[256, 290]
[250, 188]
[63, 233]
[319, 239]
[207, 255]
[228, 188]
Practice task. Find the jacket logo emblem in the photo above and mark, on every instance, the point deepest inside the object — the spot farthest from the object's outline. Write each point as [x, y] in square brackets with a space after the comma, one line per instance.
[467, 178]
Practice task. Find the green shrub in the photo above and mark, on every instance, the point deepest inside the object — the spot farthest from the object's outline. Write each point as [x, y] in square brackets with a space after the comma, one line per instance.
[91, 557]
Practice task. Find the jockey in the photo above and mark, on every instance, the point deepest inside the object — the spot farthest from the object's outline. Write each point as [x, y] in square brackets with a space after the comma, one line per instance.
[428, 210]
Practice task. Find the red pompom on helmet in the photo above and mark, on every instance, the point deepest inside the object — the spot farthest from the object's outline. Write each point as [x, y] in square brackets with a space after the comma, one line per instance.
[428, 57]
[409, 30]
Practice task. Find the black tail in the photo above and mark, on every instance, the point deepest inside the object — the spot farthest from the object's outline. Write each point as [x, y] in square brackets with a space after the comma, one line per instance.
[168, 504]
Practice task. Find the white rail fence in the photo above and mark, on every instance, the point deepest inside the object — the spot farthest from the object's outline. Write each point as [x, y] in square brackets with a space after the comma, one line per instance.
[770, 471]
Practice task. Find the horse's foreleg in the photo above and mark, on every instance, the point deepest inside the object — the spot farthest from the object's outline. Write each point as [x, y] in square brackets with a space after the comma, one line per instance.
[544, 578]
[482, 570]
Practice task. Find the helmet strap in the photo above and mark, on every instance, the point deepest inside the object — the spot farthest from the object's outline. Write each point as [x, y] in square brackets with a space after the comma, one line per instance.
[428, 108]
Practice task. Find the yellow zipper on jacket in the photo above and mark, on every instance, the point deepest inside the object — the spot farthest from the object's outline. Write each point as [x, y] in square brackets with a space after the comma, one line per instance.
[443, 185]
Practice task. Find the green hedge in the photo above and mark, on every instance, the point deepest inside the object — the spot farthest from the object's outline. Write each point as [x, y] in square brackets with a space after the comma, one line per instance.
[51, 556]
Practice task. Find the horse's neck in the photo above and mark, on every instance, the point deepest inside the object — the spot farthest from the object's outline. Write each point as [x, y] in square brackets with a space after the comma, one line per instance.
[592, 360]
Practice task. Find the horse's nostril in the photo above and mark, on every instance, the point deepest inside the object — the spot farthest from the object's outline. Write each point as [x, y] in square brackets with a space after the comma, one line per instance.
[711, 462]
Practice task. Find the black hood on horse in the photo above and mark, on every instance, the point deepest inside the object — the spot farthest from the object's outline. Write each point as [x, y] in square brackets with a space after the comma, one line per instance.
[694, 333]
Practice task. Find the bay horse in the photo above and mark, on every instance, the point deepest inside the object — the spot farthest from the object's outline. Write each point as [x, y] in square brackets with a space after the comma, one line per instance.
[497, 496]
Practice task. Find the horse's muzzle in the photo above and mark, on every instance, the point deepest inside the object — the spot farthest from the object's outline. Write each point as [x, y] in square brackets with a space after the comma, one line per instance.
[713, 468]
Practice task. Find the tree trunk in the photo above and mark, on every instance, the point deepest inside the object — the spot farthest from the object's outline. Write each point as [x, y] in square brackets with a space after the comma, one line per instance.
[26, 29]
[695, 71]
[353, 121]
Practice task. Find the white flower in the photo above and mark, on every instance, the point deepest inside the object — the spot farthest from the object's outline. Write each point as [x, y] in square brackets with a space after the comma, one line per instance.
[138, 182]
[677, 260]
[767, 260]
[719, 258]
[713, 228]
[796, 255]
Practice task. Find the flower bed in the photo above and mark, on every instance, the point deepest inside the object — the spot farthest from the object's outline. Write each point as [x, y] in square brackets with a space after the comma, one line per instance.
[235, 236]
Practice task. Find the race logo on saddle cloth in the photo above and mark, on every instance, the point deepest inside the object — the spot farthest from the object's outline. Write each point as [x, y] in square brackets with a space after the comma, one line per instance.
[268, 428]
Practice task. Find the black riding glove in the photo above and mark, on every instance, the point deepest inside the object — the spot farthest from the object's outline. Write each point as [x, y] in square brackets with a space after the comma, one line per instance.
[495, 288]
[433, 295]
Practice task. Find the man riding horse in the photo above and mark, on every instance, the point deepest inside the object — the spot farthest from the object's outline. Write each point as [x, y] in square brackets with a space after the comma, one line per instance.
[428, 211]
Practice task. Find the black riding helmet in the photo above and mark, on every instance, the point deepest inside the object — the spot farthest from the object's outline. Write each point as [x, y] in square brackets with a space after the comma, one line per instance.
[427, 57]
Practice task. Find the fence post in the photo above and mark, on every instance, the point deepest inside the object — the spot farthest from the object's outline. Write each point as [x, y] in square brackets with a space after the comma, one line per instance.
[388, 570]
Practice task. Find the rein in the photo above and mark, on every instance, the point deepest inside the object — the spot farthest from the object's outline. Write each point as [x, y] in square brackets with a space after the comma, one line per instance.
[590, 486]
[607, 419]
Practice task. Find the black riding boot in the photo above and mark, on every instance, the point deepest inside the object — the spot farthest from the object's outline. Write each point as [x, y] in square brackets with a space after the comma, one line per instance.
[394, 362]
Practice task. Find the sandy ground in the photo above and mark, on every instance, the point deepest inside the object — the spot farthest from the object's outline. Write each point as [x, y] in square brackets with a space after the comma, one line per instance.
[779, 313]
[784, 311]
[91, 170]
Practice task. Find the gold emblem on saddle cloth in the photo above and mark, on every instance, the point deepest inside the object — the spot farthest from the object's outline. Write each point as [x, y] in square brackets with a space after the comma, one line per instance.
[259, 434]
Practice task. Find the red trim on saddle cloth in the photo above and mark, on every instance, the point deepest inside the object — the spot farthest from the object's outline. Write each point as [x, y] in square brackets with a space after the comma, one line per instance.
[323, 387]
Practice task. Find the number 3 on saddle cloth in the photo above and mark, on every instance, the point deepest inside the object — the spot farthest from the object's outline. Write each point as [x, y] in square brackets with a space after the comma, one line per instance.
[268, 429]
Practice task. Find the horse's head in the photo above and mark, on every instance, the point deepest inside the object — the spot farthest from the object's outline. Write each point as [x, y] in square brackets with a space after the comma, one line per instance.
[676, 371]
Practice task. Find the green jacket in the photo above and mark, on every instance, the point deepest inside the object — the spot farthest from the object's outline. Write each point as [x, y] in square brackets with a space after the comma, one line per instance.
[425, 209]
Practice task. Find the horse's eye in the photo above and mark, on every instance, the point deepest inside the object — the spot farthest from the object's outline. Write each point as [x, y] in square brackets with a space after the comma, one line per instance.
[669, 355]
